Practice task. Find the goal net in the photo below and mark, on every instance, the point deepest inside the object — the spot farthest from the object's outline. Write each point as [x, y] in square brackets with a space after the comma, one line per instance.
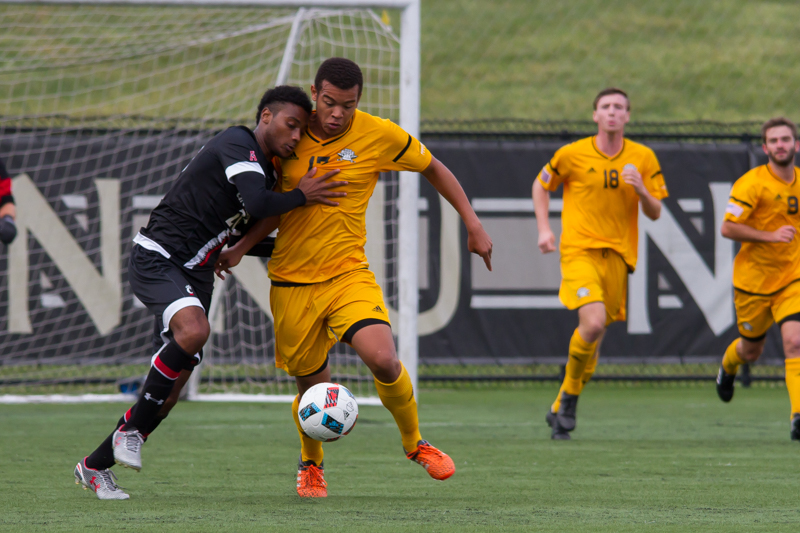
[101, 106]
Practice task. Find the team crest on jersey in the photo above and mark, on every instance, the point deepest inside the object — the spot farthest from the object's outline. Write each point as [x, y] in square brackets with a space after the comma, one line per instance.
[253, 155]
[747, 326]
[189, 290]
[583, 292]
[347, 155]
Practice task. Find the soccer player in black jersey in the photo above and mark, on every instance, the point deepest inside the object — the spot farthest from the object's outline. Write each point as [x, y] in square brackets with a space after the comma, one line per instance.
[172, 261]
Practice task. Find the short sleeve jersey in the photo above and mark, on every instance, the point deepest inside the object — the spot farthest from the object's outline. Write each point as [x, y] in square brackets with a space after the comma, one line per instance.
[203, 207]
[600, 209]
[763, 201]
[319, 242]
[5, 186]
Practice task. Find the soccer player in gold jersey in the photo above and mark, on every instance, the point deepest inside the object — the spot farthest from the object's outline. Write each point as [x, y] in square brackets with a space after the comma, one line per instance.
[606, 177]
[762, 214]
[322, 288]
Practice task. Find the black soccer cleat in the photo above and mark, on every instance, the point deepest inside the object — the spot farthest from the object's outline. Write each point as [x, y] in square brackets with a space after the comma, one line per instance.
[725, 385]
[558, 432]
[796, 427]
[566, 411]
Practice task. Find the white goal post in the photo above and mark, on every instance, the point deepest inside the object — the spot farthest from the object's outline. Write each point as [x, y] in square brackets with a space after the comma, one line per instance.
[406, 317]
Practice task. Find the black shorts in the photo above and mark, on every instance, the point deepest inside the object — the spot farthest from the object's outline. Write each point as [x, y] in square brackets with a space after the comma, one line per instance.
[165, 288]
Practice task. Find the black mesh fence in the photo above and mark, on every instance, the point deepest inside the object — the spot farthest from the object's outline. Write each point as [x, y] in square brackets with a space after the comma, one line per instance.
[568, 130]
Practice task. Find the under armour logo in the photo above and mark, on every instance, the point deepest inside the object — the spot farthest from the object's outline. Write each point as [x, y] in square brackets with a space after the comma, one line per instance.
[148, 397]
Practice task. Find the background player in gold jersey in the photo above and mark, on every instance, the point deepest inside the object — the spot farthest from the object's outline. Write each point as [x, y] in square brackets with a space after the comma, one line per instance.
[763, 215]
[606, 177]
[322, 290]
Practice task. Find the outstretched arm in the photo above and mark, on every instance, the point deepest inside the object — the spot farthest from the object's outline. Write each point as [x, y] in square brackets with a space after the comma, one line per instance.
[478, 241]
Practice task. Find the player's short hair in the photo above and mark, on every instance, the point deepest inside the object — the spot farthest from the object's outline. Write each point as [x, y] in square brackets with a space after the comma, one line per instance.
[341, 73]
[283, 94]
[778, 121]
[610, 90]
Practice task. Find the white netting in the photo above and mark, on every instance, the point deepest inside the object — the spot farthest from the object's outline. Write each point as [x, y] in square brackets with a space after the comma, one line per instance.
[100, 109]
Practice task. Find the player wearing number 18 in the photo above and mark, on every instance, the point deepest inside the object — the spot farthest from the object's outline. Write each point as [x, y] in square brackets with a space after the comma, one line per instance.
[763, 215]
[606, 177]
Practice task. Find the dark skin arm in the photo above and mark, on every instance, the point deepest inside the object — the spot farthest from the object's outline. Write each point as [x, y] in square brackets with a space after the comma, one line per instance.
[231, 257]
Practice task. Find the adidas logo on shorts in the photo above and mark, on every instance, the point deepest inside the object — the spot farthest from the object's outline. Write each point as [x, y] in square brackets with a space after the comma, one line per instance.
[378, 309]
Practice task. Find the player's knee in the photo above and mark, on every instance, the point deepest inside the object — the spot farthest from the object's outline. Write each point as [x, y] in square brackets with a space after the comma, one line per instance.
[751, 353]
[592, 328]
[192, 335]
[791, 346]
[386, 367]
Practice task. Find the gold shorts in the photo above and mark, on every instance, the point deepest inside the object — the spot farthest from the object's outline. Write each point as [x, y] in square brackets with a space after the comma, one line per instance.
[310, 319]
[756, 313]
[595, 275]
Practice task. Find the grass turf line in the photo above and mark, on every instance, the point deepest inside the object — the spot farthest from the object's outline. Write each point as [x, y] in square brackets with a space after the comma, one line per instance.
[641, 460]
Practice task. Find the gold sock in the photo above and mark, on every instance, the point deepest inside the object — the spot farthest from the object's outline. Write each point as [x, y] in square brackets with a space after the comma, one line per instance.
[580, 352]
[398, 398]
[588, 372]
[310, 449]
[793, 383]
[732, 360]
[557, 403]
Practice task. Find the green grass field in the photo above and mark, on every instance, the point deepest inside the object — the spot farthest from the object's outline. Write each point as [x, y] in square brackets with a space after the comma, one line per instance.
[680, 60]
[667, 458]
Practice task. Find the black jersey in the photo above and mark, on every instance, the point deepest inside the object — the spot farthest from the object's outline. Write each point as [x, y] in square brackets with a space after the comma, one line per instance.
[204, 206]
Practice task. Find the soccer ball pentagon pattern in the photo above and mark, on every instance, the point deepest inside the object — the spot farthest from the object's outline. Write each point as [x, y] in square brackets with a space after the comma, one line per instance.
[327, 412]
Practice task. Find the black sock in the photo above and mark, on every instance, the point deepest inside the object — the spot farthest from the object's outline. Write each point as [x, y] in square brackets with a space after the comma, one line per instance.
[153, 425]
[167, 366]
[103, 456]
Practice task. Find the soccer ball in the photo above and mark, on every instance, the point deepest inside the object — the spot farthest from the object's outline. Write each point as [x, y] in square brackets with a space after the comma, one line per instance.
[327, 412]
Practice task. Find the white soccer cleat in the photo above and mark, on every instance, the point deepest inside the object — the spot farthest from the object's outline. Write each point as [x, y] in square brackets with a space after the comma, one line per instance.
[128, 448]
[102, 482]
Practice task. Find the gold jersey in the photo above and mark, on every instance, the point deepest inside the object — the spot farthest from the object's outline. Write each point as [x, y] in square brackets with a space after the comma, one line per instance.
[319, 242]
[763, 201]
[600, 209]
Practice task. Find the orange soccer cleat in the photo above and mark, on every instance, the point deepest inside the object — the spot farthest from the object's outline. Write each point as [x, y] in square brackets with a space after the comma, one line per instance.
[311, 480]
[437, 463]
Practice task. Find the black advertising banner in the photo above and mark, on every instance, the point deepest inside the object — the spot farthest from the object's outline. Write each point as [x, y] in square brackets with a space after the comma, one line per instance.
[680, 299]
[82, 196]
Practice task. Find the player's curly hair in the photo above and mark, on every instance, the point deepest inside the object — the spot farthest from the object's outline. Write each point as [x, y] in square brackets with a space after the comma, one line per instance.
[283, 94]
[341, 73]
[778, 121]
[611, 90]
